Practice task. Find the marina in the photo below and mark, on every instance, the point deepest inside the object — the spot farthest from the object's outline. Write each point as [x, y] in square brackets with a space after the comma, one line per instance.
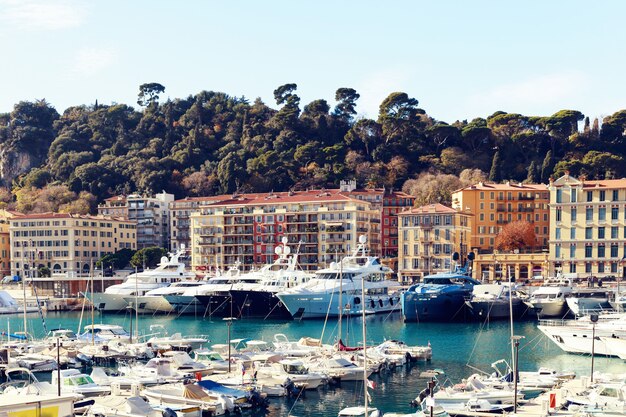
[458, 350]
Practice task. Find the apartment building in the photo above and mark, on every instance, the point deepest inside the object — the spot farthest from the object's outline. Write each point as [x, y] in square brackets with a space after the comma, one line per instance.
[588, 233]
[68, 244]
[180, 223]
[429, 235]
[5, 241]
[322, 225]
[151, 214]
[495, 205]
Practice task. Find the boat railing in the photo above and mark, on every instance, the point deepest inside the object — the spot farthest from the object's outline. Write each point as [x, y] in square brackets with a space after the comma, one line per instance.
[554, 322]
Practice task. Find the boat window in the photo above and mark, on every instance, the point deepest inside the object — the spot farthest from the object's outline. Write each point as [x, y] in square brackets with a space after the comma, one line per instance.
[357, 300]
[295, 369]
[609, 392]
[68, 381]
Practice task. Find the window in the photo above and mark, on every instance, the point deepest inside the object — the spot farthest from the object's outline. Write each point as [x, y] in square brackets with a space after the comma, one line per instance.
[615, 197]
[572, 268]
[602, 195]
[559, 195]
[558, 214]
[614, 249]
[573, 213]
[588, 233]
[602, 214]
[600, 232]
[589, 213]
[601, 251]
[614, 213]
[588, 267]
[572, 250]
[482, 195]
[558, 234]
[588, 250]
[572, 196]
[572, 233]
[589, 195]
[614, 232]
[614, 267]
[557, 251]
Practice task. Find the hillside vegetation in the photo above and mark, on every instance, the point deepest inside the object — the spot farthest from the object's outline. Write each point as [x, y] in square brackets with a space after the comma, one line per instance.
[212, 143]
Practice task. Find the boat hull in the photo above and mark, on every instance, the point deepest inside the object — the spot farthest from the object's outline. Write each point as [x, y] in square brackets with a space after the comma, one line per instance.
[108, 302]
[184, 304]
[574, 339]
[547, 309]
[440, 307]
[498, 310]
[320, 306]
[258, 304]
[147, 304]
[216, 305]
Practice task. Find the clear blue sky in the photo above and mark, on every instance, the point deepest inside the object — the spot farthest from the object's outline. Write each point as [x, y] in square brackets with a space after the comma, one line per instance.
[460, 59]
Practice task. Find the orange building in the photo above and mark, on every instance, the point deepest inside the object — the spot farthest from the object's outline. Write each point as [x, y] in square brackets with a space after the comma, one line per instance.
[495, 205]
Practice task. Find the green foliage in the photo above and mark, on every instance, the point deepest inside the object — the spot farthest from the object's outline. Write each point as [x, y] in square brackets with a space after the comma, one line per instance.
[148, 257]
[212, 142]
[118, 260]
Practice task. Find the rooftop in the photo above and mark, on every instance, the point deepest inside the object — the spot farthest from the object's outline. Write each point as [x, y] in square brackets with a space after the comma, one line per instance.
[436, 208]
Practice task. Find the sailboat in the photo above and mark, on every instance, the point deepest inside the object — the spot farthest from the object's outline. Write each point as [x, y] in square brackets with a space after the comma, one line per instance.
[364, 410]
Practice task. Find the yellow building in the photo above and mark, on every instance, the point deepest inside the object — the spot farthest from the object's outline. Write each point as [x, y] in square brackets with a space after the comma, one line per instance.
[520, 267]
[5, 241]
[428, 236]
[246, 228]
[68, 244]
[495, 205]
[588, 233]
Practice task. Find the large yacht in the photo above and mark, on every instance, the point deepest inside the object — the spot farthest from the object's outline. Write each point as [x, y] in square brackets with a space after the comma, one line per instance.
[440, 297]
[154, 301]
[259, 299]
[340, 285]
[549, 299]
[137, 284]
[187, 303]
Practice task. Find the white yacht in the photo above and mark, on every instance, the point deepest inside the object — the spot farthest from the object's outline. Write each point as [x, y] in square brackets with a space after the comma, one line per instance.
[187, 303]
[575, 336]
[590, 300]
[258, 299]
[137, 284]
[321, 295]
[549, 299]
[154, 301]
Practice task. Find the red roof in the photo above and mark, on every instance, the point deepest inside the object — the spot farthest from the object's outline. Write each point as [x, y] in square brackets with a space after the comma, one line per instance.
[50, 215]
[436, 208]
[508, 186]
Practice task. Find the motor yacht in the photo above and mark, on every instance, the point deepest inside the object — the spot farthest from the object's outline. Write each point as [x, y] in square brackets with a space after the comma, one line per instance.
[440, 297]
[337, 289]
[549, 300]
[137, 284]
[496, 301]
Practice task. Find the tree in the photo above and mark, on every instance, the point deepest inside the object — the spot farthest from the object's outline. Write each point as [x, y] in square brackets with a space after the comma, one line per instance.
[149, 93]
[148, 257]
[346, 106]
[117, 260]
[397, 116]
[516, 235]
[431, 188]
[532, 173]
[546, 168]
[495, 174]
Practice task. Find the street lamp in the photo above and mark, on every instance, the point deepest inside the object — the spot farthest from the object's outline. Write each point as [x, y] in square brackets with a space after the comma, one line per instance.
[594, 320]
[515, 340]
[229, 322]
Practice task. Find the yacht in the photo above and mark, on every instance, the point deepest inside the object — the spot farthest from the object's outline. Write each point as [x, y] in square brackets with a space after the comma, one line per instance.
[575, 336]
[187, 303]
[549, 299]
[154, 301]
[259, 299]
[137, 284]
[583, 301]
[496, 301]
[340, 284]
[440, 297]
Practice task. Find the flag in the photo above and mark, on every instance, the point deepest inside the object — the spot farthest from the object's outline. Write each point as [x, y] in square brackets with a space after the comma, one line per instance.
[371, 384]
[243, 369]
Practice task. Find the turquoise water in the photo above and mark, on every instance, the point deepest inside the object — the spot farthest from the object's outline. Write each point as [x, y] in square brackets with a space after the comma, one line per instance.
[455, 346]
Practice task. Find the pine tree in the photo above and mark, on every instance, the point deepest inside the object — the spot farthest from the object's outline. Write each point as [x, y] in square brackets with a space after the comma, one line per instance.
[532, 173]
[546, 168]
[495, 174]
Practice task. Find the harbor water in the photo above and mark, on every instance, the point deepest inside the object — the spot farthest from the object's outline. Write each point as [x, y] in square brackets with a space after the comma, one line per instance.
[458, 349]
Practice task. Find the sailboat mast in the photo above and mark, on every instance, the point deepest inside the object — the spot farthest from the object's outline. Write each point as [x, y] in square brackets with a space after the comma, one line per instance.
[508, 270]
[93, 335]
[364, 343]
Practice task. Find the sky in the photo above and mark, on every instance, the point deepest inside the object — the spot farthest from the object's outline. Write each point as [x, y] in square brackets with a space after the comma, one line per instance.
[459, 59]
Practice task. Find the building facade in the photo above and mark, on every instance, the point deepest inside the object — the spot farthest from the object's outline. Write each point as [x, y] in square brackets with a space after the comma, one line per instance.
[495, 205]
[151, 214]
[321, 225]
[5, 241]
[68, 245]
[428, 237]
[180, 212]
[588, 233]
